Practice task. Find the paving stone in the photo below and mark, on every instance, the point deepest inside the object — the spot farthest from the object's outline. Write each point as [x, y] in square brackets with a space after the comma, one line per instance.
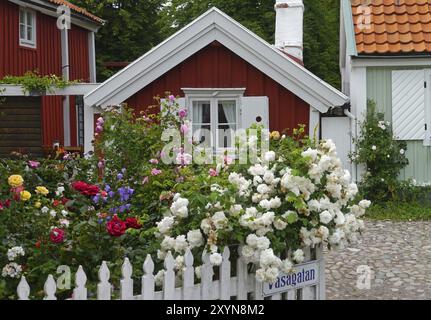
[399, 255]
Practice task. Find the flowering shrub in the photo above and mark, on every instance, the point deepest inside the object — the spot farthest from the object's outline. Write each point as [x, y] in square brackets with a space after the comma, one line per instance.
[125, 201]
[382, 156]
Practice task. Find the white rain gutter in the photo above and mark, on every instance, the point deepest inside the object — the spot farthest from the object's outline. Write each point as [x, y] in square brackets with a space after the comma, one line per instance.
[354, 134]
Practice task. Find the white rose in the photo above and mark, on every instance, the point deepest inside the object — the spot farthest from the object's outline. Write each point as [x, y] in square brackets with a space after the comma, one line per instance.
[195, 238]
[365, 204]
[260, 275]
[247, 252]
[280, 224]
[216, 259]
[271, 274]
[252, 240]
[269, 156]
[165, 225]
[298, 256]
[325, 217]
[287, 266]
[263, 243]
[180, 244]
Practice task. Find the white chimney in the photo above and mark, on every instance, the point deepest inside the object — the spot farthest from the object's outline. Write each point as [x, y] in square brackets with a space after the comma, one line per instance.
[289, 27]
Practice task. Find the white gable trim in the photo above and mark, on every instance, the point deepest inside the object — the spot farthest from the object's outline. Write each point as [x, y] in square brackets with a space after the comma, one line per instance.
[216, 26]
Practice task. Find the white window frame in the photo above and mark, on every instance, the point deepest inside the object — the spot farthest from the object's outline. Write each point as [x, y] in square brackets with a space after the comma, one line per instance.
[213, 95]
[24, 42]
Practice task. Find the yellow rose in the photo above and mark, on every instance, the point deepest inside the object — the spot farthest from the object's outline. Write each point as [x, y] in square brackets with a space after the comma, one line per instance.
[275, 135]
[37, 205]
[15, 181]
[42, 190]
[25, 195]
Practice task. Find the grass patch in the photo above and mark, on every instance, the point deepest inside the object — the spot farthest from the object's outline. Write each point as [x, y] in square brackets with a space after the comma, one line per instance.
[399, 211]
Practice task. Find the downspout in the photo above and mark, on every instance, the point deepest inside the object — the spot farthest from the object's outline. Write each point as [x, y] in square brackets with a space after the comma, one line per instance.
[65, 73]
[354, 134]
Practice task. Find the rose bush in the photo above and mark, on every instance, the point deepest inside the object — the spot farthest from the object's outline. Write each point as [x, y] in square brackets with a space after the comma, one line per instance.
[125, 201]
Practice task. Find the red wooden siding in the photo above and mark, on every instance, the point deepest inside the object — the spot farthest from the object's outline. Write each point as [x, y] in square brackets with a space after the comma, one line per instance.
[46, 58]
[217, 67]
[79, 69]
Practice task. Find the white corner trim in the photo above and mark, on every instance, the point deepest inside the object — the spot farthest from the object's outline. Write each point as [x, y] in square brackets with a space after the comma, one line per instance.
[214, 25]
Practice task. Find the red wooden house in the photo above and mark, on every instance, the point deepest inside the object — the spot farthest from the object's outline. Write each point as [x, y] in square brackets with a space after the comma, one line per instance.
[31, 40]
[226, 76]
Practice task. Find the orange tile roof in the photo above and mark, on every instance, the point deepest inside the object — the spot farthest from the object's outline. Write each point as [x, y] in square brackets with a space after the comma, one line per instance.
[396, 26]
[78, 10]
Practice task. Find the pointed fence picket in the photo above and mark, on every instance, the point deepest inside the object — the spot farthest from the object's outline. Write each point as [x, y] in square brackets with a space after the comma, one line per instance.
[240, 286]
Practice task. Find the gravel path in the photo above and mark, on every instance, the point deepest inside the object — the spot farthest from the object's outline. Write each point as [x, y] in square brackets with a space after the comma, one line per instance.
[398, 255]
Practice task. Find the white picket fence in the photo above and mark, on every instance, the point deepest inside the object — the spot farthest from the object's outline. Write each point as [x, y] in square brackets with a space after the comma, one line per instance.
[242, 286]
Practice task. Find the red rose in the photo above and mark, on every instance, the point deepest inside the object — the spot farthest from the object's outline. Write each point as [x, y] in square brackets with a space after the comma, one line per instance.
[57, 235]
[55, 203]
[132, 223]
[64, 201]
[85, 188]
[116, 227]
[37, 245]
[4, 204]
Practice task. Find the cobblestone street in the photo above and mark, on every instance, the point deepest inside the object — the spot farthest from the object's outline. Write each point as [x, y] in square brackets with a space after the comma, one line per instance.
[399, 255]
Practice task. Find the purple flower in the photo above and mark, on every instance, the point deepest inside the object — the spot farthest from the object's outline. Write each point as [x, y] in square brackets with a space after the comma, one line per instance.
[154, 161]
[100, 121]
[120, 176]
[108, 218]
[100, 221]
[99, 129]
[172, 98]
[107, 188]
[111, 194]
[96, 199]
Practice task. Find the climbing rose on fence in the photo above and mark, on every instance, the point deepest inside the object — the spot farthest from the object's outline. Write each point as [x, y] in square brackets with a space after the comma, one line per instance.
[279, 204]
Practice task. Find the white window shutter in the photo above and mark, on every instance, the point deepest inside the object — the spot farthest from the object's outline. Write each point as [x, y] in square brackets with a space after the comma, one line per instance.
[254, 110]
[408, 104]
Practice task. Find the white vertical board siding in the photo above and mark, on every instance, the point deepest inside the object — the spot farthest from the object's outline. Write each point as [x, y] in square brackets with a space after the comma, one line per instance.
[253, 108]
[408, 104]
[338, 130]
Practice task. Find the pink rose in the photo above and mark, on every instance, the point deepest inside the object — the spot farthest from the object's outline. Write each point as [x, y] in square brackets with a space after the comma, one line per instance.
[34, 164]
[213, 173]
[154, 161]
[172, 97]
[155, 172]
[184, 129]
[182, 113]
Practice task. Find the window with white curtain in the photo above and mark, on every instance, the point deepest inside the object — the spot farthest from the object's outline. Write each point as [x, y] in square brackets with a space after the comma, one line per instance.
[215, 121]
[27, 28]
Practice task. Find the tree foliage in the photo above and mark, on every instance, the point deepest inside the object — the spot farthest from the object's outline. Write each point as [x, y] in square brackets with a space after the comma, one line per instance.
[135, 26]
[131, 29]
